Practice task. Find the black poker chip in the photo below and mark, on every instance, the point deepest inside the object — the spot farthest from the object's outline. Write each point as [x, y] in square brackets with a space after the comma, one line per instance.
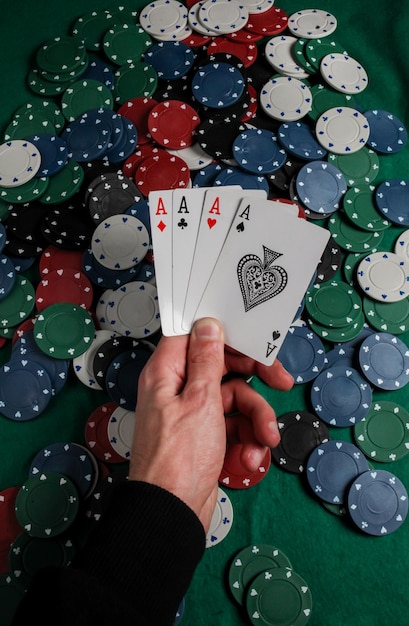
[68, 227]
[93, 169]
[216, 138]
[109, 351]
[111, 194]
[330, 261]
[16, 247]
[24, 222]
[300, 432]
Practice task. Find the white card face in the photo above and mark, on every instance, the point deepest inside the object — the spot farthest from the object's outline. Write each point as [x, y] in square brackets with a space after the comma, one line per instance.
[160, 210]
[219, 208]
[260, 278]
[186, 212]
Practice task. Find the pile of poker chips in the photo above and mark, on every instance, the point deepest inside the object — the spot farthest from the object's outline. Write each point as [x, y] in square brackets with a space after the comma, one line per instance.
[355, 219]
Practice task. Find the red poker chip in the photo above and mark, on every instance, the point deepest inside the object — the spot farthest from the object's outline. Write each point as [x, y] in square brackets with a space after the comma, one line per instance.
[54, 258]
[162, 171]
[96, 434]
[235, 476]
[64, 285]
[134, 160]
[271, 22]
[137, 111]
[10, 526]
[172, 124]
[196, 40]
[253, 104]
[3, 341]
[244, 36]
[246, 52]
[25, 327]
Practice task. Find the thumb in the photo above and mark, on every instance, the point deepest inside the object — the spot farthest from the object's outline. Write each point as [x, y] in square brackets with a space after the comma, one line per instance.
[205, 361]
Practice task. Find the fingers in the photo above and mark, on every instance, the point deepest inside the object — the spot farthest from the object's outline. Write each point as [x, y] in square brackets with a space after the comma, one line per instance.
[166, 368]
[274, 375]
[205, 359]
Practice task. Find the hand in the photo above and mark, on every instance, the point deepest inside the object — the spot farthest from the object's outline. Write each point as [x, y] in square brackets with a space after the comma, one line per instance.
[180, 427]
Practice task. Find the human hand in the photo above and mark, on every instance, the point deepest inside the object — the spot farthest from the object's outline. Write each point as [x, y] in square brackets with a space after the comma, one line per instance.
[180, 428]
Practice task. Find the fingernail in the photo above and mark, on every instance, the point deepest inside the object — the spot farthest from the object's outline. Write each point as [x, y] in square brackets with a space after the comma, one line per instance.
[207, 328]
[273, 426]
[256, 458]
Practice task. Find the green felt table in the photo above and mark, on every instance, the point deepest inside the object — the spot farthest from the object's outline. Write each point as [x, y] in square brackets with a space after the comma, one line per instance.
[355, 579]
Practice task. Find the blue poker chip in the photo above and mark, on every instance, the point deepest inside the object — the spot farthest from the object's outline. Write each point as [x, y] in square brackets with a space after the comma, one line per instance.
[217, 85]
[384, 361]
[25, 347]
[122, 149]
[341, 396]
[21, 264]
[25, 389]
[320, 187]
[332, 467]
[7, 276]
[207, 175]
[145, 271]
[298, 139]
[86, 139]
[170, 59]
[104, 276]
[3, 237]
[236, 176]
[180, 612]
[53, 151]
[340, 355]
[378, 502]
[388, 134]
[257, 151]
[69, 459]
[140, 210]
[366, 331]
[121, 380]
[392, 200]
[302, 354]
[100, 71]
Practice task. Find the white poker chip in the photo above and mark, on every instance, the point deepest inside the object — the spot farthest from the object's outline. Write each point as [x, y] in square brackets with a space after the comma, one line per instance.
[194, 157]
[223, 16]
[384, 276]
[312, 23]
[279, 54]
[20, 161]
[344, 73]
[120, 242]
[402, 245]
[286, 98]
[82, 364]
[131, 310]
[163, 18]
[120, 429]
[222, 520]
[342, 130]
[257, 6]
[195, 23]
[179, 35]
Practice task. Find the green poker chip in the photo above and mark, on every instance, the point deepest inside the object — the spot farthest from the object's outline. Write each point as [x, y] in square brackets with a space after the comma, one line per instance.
[249, 563]
[61, 54]
[135, 80]
[91, 28]
[47, 504]
[26, 124]
[351, 238]
[84, 95]
[359, 206]
[317, 49]
[4, 210]
[11, 594]
[333, 303]
[383, 434]
[126, 44]
[338, 334]
[299, 53]
[351, 263]
[32, 190]
[358, 168]
[18, 304]
[64, 77]
[42, 87]
[325, 98]
[64, 330]
[387, 317]
[277, 597]
[64, 184]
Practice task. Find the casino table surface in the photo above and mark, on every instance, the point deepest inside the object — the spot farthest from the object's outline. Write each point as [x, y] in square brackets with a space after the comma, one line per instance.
[355, 579]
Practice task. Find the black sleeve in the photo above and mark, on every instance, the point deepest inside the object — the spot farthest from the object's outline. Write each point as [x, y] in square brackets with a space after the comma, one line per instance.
[135, 568]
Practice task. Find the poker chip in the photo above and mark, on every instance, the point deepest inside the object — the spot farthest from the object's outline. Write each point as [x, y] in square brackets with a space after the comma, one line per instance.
[317, 49]
[19, 303]
[384, 276]
[121, 425]
[120, 242]
[401, 247]
[171, 59]
[122, 149]
[124, 43]
[359, 206]
[222, 520]
[298, 139]
[387, 317]
[392, 200]
[122, 375]
[9, 523]
[110, 194]
[341, 396]
[245, 51]
[378, 502]
[162, 171]
[108, 351]
[320, 186]
[134, 80]
[340, 355]
[324, 98]
[216, 139]
[302, 354]
[329, 262]
[137, 111]
[235, 476]
[7, 276]
[338, 334]
[64, 184]
[384, 360]
[351, 238]
[27, 192]
[279, 595]
[68, 459]
[64, 285]
[53, 151]
[100, 71]
[235, 176]
[270, 22]
[300, 433]
[359, 168]
[344, 73]
[60, 54]
[172, 124]
[96, 435]
[342, 130]
[223, 16]
[101, 498]
[54, 258]
[251, 561]
[383, 434]
[217, 85]
[257, 151]
[84, 95]
[387, 135]
[285, 98]
[312, 23]
[331, 468]
[64, 330]
[163, 17]
[194, 157]
[83, 363]
[333, 303]
[279, 52]
[19, 162]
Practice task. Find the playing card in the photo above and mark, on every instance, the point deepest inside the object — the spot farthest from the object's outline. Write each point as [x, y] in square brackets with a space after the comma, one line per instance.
[219, 207]
[260, 277]
[160, 210]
